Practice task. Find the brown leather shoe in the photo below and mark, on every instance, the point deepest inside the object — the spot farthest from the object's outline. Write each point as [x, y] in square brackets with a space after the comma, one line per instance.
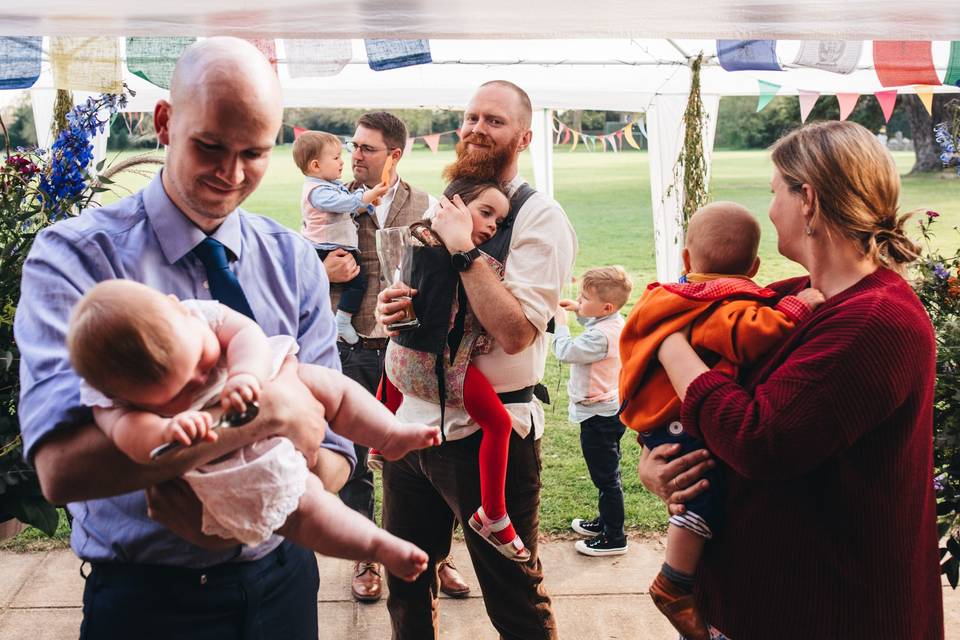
[679, 607]
[451, 582]
[367, 586]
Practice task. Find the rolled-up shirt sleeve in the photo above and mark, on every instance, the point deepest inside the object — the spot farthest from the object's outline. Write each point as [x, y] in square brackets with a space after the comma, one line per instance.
[542, 251]
[55, 275]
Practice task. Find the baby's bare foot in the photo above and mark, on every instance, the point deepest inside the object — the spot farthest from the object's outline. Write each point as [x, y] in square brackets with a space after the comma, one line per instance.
[405, 437]
[401, 558]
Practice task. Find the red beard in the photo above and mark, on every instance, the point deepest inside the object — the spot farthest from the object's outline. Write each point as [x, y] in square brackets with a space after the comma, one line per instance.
[480, 164]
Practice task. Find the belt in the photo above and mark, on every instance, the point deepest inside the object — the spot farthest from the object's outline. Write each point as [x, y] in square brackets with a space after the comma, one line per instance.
[373, 343]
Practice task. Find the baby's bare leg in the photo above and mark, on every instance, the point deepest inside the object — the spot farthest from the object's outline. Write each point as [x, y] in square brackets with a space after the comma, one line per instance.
[323, 523]
[353, 413]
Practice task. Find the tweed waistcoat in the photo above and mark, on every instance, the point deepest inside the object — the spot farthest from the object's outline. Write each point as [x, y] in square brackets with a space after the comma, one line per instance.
[409, 204]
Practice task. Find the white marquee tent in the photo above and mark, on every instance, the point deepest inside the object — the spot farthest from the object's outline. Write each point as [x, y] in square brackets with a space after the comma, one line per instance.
[598, 55]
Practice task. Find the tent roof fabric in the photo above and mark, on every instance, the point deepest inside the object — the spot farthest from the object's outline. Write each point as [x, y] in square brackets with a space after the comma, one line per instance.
[458, 19]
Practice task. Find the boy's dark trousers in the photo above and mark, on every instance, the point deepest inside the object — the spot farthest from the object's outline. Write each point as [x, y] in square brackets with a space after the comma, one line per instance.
[353, 289]
[600, 443]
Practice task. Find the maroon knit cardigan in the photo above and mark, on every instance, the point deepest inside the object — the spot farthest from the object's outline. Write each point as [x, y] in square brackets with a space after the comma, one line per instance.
[830, 517]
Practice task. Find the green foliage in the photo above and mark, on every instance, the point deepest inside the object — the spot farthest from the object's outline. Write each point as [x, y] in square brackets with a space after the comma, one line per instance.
[938, 287]
[21, 130]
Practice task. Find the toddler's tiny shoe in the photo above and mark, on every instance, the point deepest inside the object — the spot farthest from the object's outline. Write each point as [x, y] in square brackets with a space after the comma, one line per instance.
[375, 460]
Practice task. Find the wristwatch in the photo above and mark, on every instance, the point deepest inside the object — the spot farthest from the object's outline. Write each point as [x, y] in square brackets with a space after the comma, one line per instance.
[461, 260]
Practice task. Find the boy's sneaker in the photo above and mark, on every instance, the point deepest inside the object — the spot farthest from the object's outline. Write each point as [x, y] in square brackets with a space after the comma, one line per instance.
[601, 545]
[589, 528]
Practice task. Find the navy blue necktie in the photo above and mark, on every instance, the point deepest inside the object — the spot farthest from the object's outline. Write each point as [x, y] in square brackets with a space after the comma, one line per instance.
[224, 285]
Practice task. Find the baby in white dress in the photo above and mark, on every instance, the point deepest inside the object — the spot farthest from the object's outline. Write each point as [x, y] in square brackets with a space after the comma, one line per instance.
[152, 365]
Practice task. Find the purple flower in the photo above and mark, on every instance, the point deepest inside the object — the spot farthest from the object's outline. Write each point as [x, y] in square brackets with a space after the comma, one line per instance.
[940, 271]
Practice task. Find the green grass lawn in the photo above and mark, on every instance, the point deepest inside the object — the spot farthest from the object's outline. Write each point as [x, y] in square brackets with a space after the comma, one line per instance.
[607, 197]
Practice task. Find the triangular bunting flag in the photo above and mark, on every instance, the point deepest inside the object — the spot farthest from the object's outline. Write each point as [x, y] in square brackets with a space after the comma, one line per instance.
[560, 128]
[433, 141]
[576, 138]
[613, 142]
[953, 67]
[903, 62]
[86, 64]
[836, 56]
[297, 131]
[807, 100]
[566, 136]
[767, 91]
[393, 54]
[925, 94]
[628, 136]
[316, 58]
[847, 102]
[408, 147]
[748, 55]
[642, 125]
[19, 62]
[887, 99]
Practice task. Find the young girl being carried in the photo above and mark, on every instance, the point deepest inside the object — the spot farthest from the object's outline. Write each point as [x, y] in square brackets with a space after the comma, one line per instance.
[408, 371]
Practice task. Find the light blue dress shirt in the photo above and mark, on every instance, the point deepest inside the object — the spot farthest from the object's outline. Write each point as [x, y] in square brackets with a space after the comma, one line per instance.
[146, 238]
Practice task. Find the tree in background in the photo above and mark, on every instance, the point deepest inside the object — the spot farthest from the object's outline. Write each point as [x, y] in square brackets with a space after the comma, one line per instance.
[921, 124]
[21, 132]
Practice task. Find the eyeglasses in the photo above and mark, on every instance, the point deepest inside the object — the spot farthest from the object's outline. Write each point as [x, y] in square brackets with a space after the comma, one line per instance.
[364, 149]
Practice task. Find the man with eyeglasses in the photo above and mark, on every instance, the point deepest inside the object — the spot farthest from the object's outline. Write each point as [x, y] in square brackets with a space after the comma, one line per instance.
[379, 135]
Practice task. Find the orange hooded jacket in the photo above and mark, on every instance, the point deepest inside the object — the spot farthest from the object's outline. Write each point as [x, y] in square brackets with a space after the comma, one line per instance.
[730, 317]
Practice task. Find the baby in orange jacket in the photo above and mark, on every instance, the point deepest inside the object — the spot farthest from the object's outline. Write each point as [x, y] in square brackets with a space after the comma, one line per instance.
[736, 322]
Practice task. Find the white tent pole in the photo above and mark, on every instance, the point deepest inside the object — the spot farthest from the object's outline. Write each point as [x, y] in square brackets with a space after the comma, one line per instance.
[41, 100]
[541, 150]
[665, 137]
[665, 130]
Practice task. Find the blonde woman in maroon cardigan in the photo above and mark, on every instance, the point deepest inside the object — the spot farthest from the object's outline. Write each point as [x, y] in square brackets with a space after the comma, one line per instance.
[828, 441]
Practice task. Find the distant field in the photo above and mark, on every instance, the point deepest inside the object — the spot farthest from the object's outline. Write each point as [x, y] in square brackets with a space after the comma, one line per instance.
[607, 197]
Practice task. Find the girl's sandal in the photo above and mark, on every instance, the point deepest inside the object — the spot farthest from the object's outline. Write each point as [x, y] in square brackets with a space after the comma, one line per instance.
[513, 550]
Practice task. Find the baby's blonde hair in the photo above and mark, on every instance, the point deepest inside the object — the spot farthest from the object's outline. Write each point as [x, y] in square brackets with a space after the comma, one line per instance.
[309, 145]
[610, 284]
[119, 337]
[723, 237]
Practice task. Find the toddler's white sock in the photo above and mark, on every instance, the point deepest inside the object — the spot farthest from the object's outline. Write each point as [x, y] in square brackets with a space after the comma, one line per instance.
[345, 329]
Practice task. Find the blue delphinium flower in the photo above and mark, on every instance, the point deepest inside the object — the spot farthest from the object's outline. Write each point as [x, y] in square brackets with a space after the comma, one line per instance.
[945, 138]
[72, 152]
[940, 271]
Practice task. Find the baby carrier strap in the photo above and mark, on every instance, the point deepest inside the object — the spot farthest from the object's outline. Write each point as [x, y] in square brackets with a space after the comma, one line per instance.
[432, 272]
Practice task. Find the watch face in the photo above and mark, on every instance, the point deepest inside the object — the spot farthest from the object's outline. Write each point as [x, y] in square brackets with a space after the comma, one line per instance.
[460, 261]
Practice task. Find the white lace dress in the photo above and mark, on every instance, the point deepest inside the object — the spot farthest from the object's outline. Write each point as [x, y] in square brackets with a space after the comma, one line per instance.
[249, 493]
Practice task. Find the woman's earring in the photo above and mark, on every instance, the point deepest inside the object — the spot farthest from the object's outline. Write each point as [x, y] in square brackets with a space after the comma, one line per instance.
[808, 229]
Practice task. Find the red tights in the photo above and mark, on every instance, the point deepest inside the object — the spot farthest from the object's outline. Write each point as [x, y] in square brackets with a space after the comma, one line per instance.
[483, 405]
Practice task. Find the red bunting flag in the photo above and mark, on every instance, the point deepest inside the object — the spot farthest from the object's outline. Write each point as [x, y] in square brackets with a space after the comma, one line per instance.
[887, 99]
[297, 131]
[566, 136]
[903, 62]
[847, 102]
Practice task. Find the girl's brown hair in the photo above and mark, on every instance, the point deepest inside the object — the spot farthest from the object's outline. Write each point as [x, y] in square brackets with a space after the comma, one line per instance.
[469, 189]
[856, 183]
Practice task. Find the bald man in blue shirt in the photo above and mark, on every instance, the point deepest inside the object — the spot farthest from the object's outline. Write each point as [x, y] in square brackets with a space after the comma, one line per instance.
[153, 574]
